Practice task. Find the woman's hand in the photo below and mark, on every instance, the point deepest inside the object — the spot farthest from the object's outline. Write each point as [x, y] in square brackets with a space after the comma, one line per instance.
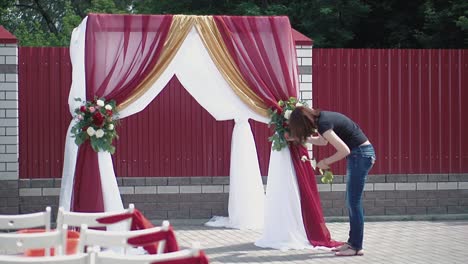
[322, 165]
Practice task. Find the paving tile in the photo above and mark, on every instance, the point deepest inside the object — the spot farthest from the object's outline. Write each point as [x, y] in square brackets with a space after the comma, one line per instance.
[384, 242]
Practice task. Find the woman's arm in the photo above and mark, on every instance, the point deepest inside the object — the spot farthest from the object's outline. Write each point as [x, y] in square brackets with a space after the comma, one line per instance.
[317, 140]
[342, 149]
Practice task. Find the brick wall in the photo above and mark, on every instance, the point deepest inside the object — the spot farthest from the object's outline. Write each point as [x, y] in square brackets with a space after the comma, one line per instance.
[9, 201]
[204, 197]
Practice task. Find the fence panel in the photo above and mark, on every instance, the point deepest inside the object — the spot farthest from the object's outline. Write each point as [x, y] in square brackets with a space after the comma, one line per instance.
[408, 102]
[44, 82]
[411, 104]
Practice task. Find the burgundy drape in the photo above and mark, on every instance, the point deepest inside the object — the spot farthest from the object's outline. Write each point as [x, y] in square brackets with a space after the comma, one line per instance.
[139, 222]
[154, 238]
[264, 51]
[200, 259]
[312, 216]
[120, 51]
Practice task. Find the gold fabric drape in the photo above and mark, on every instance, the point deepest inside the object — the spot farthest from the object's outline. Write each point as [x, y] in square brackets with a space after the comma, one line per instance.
[179, 30]
[213, 42]
[219, 53]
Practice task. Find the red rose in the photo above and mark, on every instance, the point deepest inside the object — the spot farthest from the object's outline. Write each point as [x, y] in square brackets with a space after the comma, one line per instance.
[83, 109]
[279, 110]
[109, 112]
[98, 119]
[84, 128]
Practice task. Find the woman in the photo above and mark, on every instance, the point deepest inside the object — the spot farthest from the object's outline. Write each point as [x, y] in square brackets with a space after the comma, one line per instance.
[350, 142]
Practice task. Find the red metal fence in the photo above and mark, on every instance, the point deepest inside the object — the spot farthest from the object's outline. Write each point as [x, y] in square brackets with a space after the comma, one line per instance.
[44, 84]
[173, 136]
[412, 104]
[409, 102]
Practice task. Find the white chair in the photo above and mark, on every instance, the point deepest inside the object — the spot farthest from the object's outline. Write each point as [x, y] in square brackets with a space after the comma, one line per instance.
[76, 219]
[19, 242]
[117, 239]
[70, 259]
[19, 221]
[103, 258]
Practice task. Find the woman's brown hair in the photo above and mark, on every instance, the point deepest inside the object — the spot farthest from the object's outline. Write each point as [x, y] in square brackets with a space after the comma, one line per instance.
[303, 122]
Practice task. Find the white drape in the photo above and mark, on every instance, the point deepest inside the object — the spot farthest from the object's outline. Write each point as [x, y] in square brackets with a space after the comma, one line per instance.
[200, 77]
[283, 228]
[77, 90]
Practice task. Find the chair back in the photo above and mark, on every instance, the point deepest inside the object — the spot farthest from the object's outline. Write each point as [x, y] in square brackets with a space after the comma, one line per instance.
[69, 259]
[105, 258]
[76, 219]
[117, 239]
[20, 221]
[20, 242]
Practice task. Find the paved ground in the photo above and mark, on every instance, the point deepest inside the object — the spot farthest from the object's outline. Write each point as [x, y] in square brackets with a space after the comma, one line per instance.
[385, 242]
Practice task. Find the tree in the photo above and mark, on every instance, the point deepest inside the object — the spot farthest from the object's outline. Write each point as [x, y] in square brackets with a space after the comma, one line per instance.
[330, 23]
[445, 24]
[49, 23]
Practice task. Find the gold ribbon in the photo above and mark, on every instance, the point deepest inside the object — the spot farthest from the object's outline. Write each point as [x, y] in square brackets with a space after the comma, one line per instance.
[213, 42]
[180, 27]
[219, 53]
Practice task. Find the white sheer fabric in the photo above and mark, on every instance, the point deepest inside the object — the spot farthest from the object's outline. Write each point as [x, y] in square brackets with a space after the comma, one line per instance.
[283, 228]
[242, 194]
[77, 90]
[198, 74]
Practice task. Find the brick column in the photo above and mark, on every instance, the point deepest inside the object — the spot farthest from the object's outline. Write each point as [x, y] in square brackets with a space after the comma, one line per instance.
[9, 200]
[304, 63]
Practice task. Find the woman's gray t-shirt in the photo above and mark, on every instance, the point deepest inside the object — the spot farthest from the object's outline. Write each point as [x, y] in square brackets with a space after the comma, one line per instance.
[343, 126]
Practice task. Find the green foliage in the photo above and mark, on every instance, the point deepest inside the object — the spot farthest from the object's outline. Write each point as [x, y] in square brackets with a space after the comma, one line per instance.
[96, 121]
[330, 23]
[327, 176]
[106, 6]
[444, 24]
[279, 119]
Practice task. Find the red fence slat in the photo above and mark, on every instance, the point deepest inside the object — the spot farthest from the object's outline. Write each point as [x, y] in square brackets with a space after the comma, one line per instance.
[411, 104]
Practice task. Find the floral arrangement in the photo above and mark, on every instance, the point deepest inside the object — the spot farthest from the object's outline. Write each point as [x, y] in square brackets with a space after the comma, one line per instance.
[327, 175]
[279, 118]
[96, 120]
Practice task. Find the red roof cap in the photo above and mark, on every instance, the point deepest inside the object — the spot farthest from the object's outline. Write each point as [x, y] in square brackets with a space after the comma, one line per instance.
[6, 37]
[301, 39]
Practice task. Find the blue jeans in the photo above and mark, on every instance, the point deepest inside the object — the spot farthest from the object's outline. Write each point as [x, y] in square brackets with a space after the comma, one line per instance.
[359, 162]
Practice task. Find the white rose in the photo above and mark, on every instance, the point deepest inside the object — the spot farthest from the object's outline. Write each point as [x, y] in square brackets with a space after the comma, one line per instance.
[108, 107]
[299, 104]
[100, 103]
[99, 133]
[287, 114]
[110, 127]
[90, 131]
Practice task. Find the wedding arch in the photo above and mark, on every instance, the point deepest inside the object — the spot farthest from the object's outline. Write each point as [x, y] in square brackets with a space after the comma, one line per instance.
[244, 65]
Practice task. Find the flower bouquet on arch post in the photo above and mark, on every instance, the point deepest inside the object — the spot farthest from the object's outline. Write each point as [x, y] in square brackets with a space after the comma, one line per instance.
[96, 121]
[327, 175]
[279, 118]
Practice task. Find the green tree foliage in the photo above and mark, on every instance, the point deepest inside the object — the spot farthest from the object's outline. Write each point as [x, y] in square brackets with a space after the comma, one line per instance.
[443, 22]
[330, 23]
